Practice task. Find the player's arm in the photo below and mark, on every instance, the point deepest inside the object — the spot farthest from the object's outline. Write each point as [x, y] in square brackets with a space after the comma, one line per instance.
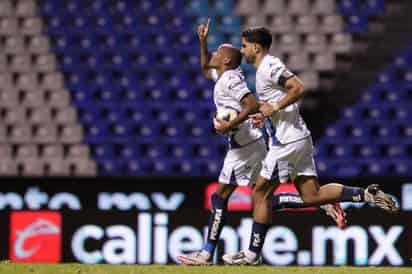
[294, 91]
[202, 32]
[250, 106]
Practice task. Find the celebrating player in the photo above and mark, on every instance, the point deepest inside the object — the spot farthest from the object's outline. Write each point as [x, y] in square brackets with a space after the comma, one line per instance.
[247, 147]
[278, 90]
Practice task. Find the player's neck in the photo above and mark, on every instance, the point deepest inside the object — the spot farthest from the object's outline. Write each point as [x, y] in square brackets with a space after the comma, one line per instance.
[259, 58]
[222, 70]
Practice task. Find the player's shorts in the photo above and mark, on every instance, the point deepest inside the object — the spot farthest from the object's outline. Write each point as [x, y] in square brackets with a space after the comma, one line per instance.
[241, 166]
[298, 155]
[285, 171]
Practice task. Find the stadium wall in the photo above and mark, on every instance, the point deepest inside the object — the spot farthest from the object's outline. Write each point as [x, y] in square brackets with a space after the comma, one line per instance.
[147, 221]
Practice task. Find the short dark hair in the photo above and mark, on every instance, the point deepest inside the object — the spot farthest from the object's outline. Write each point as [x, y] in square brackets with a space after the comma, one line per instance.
[258, 35]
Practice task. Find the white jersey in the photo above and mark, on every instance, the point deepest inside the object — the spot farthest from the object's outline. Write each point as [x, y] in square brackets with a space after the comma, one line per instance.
[230, 88]
[286, 125]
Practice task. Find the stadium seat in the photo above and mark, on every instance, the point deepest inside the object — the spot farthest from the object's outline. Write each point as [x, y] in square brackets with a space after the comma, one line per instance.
[347, 7]
[358, 23]
[246, 8]
[324, 61]
[373, 7]
[273, 7]
[315, 43]
[52, 151]
[282, 24]
[56, 167]
[323, 7]
[6, 8]
[298, 61]
[306, 24]
[298, 7]
[117, 65]
[331, 24]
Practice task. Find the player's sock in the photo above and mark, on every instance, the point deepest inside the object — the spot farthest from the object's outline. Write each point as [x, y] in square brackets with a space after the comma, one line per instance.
[352, 194]
[287, 200]
[257, 239]
[216, 222]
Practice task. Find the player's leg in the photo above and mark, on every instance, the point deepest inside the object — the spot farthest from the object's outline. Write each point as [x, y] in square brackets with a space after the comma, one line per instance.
[313, 194]
[218, 216]
[217, 219]
[290, 197]
[240, 167]
[262, 219]
[262, 196]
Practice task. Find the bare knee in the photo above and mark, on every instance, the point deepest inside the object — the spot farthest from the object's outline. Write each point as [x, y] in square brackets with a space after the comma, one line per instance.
[225, 190]
[308, 187]
[310, 198]
[263, 190]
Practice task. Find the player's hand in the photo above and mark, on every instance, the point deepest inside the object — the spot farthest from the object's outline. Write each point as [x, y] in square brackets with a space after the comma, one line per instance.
[221, 126]
[267, 109]
[203, 30]
[258, 120]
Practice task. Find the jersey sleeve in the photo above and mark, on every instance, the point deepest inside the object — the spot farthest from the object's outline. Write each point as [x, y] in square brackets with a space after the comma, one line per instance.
[237, 87]
[279, 73]
[213, 74]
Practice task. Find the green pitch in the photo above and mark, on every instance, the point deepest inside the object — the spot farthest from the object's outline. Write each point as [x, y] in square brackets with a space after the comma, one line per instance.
[12, 268]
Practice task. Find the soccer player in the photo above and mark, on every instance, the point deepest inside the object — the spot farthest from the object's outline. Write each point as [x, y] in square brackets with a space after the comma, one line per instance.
[247, 147]
[278, 91]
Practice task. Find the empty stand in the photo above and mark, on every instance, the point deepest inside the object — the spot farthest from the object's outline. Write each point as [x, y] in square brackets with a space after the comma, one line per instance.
[35, 113]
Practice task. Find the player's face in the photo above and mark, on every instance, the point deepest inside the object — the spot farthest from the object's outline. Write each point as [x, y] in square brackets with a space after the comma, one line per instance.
[248, 51]
[216, 60]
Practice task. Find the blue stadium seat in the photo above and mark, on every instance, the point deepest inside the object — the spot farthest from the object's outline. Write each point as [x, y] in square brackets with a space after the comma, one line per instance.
[357, 23]
[197, 7]
[348, 7]
[373, 7]
[132, 68]
[110, 167]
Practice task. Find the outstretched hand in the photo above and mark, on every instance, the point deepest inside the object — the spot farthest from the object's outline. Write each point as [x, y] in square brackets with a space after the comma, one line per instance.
[203, 30]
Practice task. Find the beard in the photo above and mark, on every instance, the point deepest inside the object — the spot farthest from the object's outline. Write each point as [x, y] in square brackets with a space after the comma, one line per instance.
[249, 60]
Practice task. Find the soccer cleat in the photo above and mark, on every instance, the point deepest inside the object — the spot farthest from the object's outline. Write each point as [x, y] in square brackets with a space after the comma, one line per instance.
[336, 213]
[382, 200]
[340, 215]
[195, 258]
[240, 259]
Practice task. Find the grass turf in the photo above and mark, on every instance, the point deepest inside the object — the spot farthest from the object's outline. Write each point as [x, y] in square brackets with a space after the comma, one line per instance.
[18, 268]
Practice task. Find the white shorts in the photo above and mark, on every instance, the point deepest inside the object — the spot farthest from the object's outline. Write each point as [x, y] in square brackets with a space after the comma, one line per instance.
[298, 155]
[241, 166]
[285, 172]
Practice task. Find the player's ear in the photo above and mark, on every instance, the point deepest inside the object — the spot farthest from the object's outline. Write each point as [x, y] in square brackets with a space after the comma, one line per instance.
[226, 60]
[255, 48]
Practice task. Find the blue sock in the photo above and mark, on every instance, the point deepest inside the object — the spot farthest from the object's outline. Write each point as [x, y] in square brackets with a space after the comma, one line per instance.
[352, 194]
[287, 200]
[216, 222]
[258, 237]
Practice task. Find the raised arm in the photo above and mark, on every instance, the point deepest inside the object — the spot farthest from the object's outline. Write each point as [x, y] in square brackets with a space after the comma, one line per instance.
[202, 32]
